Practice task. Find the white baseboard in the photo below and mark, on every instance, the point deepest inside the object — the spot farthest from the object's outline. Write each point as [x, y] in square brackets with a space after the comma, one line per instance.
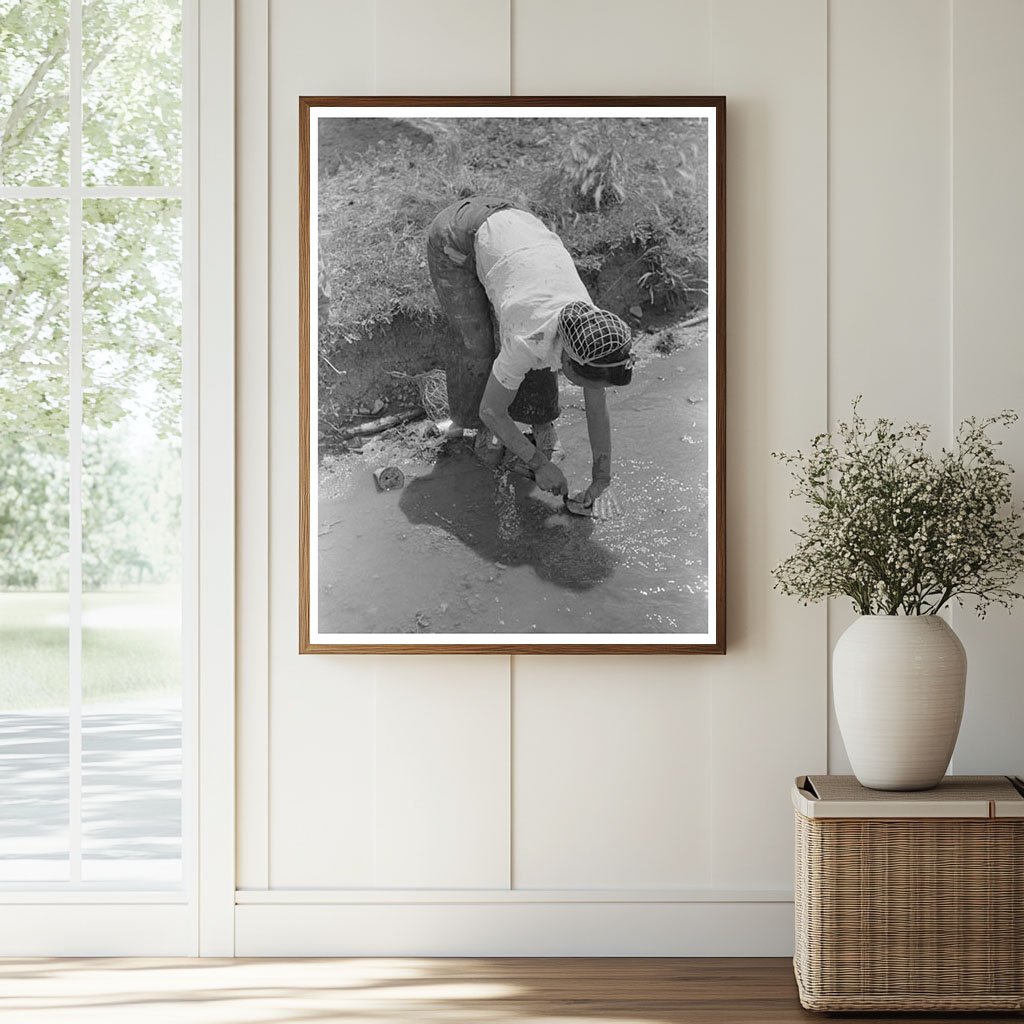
[514, 928]
[99, 928]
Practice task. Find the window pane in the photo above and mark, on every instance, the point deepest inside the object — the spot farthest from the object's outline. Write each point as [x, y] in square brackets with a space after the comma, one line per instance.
[131, 541]
[33, 540]
[131, 92]
[33, 92]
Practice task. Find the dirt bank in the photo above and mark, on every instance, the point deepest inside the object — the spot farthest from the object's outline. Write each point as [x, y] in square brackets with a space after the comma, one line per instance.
[357, 372]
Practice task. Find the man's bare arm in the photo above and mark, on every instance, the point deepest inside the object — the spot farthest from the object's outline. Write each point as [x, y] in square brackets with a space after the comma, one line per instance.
[599, 429]
[494, 413]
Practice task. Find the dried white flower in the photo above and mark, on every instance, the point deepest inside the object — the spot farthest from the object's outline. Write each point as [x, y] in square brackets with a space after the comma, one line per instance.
[900, 530]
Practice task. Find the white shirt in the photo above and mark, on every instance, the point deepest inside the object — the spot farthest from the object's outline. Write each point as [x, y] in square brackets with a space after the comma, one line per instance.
[529, 277]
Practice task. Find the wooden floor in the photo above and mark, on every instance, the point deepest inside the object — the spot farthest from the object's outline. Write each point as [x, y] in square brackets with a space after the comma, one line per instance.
[381, 991]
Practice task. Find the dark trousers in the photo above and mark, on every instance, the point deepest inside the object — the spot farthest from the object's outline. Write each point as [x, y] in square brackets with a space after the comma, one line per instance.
[473, 326]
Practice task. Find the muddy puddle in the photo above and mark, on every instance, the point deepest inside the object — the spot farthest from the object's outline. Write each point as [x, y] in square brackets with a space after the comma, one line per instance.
[465, 549]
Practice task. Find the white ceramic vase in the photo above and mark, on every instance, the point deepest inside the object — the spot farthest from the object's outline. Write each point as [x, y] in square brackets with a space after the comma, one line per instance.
[898, 684]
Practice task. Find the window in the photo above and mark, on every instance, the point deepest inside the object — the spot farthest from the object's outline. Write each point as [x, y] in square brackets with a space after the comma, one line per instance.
[95, 463]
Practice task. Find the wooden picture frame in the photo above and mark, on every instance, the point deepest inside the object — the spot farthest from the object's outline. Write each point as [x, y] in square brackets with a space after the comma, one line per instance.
[373, 140]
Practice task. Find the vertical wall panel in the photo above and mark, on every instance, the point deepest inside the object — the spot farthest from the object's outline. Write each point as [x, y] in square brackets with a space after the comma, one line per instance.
[612, 774]
[321, 709]
[889, 252]
[442, 48]
[252, 462]
[768, 693]
[611, 756]
[322, 760]
[988, 366]
[442, 758]
[576, 47]
[442, 774]
[889, 208]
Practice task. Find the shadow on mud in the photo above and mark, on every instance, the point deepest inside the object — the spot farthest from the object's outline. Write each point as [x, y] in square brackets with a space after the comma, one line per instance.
[506, 520]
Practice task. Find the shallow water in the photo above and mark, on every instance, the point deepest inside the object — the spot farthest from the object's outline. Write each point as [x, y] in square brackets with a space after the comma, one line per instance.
[465, 549]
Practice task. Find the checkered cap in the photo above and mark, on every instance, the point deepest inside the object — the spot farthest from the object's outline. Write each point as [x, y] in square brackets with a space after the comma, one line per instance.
[591, 335]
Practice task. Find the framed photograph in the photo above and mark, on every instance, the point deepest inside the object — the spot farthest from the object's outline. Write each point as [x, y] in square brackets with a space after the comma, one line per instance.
[512, 375]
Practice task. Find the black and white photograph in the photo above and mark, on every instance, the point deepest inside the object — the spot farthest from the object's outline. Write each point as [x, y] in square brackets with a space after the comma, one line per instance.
[512, 375]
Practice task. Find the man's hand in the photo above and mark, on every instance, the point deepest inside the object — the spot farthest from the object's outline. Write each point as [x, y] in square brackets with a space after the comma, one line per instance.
[550, 478]
[604, 506]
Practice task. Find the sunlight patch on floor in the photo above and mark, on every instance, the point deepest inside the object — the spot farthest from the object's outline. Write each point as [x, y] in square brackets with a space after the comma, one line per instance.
[220, 991]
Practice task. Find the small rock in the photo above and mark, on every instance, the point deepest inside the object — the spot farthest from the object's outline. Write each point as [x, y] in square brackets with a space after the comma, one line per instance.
[636, 311]
[444, 607]
[378, 406]
[695, 399]
[500, 565]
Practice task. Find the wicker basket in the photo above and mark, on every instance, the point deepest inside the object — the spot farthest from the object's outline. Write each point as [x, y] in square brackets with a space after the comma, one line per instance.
[910, 901]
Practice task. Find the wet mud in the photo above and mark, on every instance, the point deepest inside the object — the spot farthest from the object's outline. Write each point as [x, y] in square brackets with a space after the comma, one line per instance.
[465, 549]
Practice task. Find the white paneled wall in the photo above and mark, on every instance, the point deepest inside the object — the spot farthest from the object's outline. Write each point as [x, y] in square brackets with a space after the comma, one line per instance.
[768, 694]
[888, 332]
[889, 212]
[625, 805]
[987, 355]
[442, 798]
[923, 218]
[612, 775]
[441, 48]
[578, 47]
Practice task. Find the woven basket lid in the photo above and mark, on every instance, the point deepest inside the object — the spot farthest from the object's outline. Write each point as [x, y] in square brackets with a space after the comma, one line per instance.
[957, 796]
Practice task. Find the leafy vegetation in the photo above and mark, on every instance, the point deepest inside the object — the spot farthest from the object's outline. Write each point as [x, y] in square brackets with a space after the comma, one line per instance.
[628, 197]
[131, 92]
[33, 92]
[131, 309]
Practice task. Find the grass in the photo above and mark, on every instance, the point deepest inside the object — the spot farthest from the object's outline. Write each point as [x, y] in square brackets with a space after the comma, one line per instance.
[130, 647]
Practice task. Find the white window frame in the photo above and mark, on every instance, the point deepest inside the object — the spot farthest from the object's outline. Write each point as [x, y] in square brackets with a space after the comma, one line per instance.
[215, 276]
[197, 918]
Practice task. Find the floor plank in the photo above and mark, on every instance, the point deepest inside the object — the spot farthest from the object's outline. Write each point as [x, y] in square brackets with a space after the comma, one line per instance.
[387, 991]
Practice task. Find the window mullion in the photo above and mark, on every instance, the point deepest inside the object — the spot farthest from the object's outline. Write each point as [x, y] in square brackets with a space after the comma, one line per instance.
[75, 303]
